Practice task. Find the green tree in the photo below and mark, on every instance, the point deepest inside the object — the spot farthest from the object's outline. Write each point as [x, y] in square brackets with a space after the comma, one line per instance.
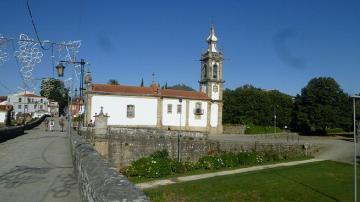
[113, 82]
[181, 87]
[321, 105]
[250, 105]
[53, 89]
[142, 82]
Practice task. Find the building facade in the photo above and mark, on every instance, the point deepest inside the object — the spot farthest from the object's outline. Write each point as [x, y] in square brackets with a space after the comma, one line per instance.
[28, 103]
[169, 109]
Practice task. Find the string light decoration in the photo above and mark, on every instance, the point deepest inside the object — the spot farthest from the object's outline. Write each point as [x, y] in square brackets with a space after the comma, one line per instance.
[29, 54]
[4, 56]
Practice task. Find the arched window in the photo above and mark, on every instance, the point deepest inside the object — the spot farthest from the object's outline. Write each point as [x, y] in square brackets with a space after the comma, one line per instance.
[215, 71]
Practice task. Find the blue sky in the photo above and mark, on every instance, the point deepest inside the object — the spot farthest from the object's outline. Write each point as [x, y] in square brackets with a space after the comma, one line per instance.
[269, 44]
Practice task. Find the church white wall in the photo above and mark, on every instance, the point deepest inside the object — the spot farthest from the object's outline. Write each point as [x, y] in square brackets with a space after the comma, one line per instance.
[215, 95]
[173, 119]
[214, 115]
[2, 116]
[193, 121]
[116, 107]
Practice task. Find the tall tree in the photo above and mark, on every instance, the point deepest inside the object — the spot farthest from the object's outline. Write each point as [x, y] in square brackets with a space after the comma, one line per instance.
[322, 105]
[142, 82]
[113, 82]
[54, 89]
[248, 104]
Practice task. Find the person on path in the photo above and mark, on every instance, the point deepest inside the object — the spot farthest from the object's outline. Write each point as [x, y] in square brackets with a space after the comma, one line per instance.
[61, 123]
[52, 125]
[46, 124]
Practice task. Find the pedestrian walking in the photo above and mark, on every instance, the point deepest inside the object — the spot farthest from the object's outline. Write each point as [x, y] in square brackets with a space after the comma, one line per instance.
[61, 123]
[46, 124]
[52, 125]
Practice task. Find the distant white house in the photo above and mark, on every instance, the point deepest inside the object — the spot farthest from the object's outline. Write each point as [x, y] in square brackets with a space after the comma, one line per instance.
[4, 110]
[53, 108]
[28, 102]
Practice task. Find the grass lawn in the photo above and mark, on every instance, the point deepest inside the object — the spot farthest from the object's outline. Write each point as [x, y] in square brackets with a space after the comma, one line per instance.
[318, 181]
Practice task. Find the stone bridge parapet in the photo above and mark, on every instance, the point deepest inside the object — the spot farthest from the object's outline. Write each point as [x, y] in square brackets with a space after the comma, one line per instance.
[98, 181]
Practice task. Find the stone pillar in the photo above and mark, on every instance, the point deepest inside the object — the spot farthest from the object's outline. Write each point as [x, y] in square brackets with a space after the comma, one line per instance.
[159, 112]
[208, 126]
[88, 108]
[101, 123]
[187, 115]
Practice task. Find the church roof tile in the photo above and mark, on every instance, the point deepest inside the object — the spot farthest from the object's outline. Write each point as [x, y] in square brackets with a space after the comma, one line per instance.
[149, 91]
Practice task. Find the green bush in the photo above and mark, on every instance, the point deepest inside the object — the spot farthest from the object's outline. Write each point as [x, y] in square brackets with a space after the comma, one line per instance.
[334, 130]
[211, 162]
[246, 158]
[177, 167]
[159, 164]
[230, 159]
[254, 129]
[149, 167]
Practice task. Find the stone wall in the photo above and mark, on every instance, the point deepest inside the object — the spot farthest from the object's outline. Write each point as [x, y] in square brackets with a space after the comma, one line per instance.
[11, 132]
[98, 181]
[126, 145]
[121, 146]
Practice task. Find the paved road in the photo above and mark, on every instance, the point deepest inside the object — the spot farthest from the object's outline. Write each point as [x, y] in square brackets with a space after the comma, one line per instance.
[37, 167]
[335, 148]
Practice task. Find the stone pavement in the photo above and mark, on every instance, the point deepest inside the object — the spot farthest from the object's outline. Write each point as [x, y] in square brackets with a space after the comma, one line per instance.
[37, 167]
[153, 184]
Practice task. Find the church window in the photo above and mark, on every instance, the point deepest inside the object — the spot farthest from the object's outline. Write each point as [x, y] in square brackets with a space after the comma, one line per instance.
[215, 71]
[130, 113]
[169, 108]
[204, 71]
[179, 109]
[19, 99]
[41, 107]
[198, 110]
[19, 106]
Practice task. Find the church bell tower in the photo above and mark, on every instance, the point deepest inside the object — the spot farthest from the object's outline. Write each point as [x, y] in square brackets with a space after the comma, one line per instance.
[211, 82]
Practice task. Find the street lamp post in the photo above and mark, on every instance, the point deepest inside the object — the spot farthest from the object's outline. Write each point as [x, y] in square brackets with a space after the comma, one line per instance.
[60, 70]
[275, 119]
[355, 140]
[178, 136]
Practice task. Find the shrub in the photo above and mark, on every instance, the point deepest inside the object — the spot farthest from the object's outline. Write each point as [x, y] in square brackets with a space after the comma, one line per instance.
[334, 130]
[254, 129]
[230, 159]
[246, 158]
[211, 162]
[177, 167]
[149, 167]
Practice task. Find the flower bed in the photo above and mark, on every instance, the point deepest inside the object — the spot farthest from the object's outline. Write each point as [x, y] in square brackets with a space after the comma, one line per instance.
[160, 165]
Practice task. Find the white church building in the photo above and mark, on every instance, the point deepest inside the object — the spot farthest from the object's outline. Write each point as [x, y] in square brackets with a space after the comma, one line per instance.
[168, 109]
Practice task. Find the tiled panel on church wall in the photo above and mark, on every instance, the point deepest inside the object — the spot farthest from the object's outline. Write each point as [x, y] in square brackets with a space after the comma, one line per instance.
[173, 118]
[116, 108]
[215, 91]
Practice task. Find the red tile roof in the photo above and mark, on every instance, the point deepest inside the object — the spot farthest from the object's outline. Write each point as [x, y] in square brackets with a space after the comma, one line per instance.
[32, 95]
[5, 107]
[150, 91]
